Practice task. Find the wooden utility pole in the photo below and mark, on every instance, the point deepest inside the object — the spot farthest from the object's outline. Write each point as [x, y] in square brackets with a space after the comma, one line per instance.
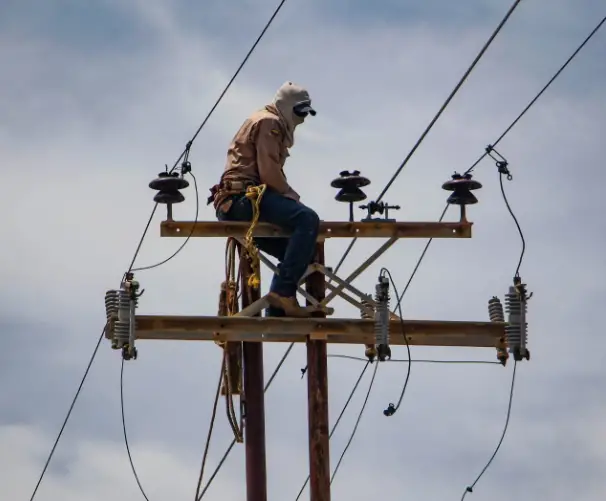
[248, 328]
[254, 400]
[317, 394]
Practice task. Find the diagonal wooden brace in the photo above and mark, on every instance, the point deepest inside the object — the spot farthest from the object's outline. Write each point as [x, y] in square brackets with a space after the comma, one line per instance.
[310, 269]
[360, 269]
[336, 290]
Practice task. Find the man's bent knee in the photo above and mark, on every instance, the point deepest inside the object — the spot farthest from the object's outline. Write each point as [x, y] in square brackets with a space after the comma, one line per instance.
[309, 219]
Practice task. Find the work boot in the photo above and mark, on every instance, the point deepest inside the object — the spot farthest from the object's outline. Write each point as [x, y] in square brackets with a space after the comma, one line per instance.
[288, 304]
[274, 312]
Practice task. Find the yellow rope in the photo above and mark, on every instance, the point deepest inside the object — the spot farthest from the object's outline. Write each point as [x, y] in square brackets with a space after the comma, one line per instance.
[255, 195]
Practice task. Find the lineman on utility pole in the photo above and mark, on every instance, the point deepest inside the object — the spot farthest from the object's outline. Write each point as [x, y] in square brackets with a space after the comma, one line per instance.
[256, 157]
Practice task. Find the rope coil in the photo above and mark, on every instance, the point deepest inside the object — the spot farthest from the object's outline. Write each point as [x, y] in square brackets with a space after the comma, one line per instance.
[255, 195]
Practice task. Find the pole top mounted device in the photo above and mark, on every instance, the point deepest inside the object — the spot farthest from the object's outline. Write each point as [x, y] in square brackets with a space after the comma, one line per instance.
[168, 185]
[349, 184]
[461, 186]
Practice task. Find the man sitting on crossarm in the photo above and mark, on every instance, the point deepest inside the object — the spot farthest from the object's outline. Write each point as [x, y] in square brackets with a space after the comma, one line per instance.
[256, 156]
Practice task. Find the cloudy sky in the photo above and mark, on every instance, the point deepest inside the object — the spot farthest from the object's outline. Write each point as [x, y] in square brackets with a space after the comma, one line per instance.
[95, 100]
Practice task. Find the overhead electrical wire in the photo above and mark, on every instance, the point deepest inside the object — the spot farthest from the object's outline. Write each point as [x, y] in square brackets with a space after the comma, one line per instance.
[180, 248]
[130, 457]
[540, 93]
[452, 94]
[351, 394]
[199, 495]
[503, 171]
[391, 408]
[355, 429]
[189, 144]
[210, 430]
[437, 116]
[469, 488]
[398, 305]
[233, 442]
[185, 154]
[69, 412]
[505, 132]
[422, 361]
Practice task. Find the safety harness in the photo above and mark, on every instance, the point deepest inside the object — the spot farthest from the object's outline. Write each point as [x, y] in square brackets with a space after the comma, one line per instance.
[227, 188]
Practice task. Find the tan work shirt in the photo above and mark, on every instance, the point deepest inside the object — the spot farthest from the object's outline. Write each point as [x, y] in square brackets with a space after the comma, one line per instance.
[258, 152]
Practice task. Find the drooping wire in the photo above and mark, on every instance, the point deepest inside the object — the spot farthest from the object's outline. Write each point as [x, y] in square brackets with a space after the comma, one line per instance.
[391, 408]
[69, 412]
[421, 361]
[515, 220]
[207, 444]
[351, 394]
[233, 442]
[503, 171]
[502, 136]
[130, 458]
[355, 429]
[210, 429]
[469, 489]
[437, 116]
[187, 149]
[141, 268]
[541, 92]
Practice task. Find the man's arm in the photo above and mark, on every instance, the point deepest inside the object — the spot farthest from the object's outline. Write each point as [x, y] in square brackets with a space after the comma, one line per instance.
[269, 148]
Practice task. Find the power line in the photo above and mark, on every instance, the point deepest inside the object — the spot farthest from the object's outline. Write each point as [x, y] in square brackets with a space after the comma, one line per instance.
[391, 408]
[469, 489]
[233, 442]
[437, 116]
[452, 94]
[540, 93]
[130, 458]
[210, 429]
[188, 236]
[185, 153]
[146, 229]
[423, 361]
[505, 132]
[353, 433]
[503, 170]
[69, 412]
[351, 394]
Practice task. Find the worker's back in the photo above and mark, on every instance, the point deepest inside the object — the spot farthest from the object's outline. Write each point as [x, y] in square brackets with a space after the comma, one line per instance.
[242, 155]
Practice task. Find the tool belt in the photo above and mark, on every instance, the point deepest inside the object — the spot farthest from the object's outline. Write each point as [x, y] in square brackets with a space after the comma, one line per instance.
[227, 188]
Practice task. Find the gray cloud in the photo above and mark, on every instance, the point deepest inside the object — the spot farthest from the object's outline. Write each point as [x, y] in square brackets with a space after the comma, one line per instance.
[88, 129]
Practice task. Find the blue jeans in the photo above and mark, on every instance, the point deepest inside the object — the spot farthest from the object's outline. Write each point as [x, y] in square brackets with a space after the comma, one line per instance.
[296, 252]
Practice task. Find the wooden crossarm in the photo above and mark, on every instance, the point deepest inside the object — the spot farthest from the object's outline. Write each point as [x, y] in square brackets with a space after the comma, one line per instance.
[328, 229]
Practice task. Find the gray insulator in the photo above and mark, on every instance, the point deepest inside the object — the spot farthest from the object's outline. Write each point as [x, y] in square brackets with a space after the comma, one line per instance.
[382, 312]
[517, 330]
[495, 310]
[118, 306]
